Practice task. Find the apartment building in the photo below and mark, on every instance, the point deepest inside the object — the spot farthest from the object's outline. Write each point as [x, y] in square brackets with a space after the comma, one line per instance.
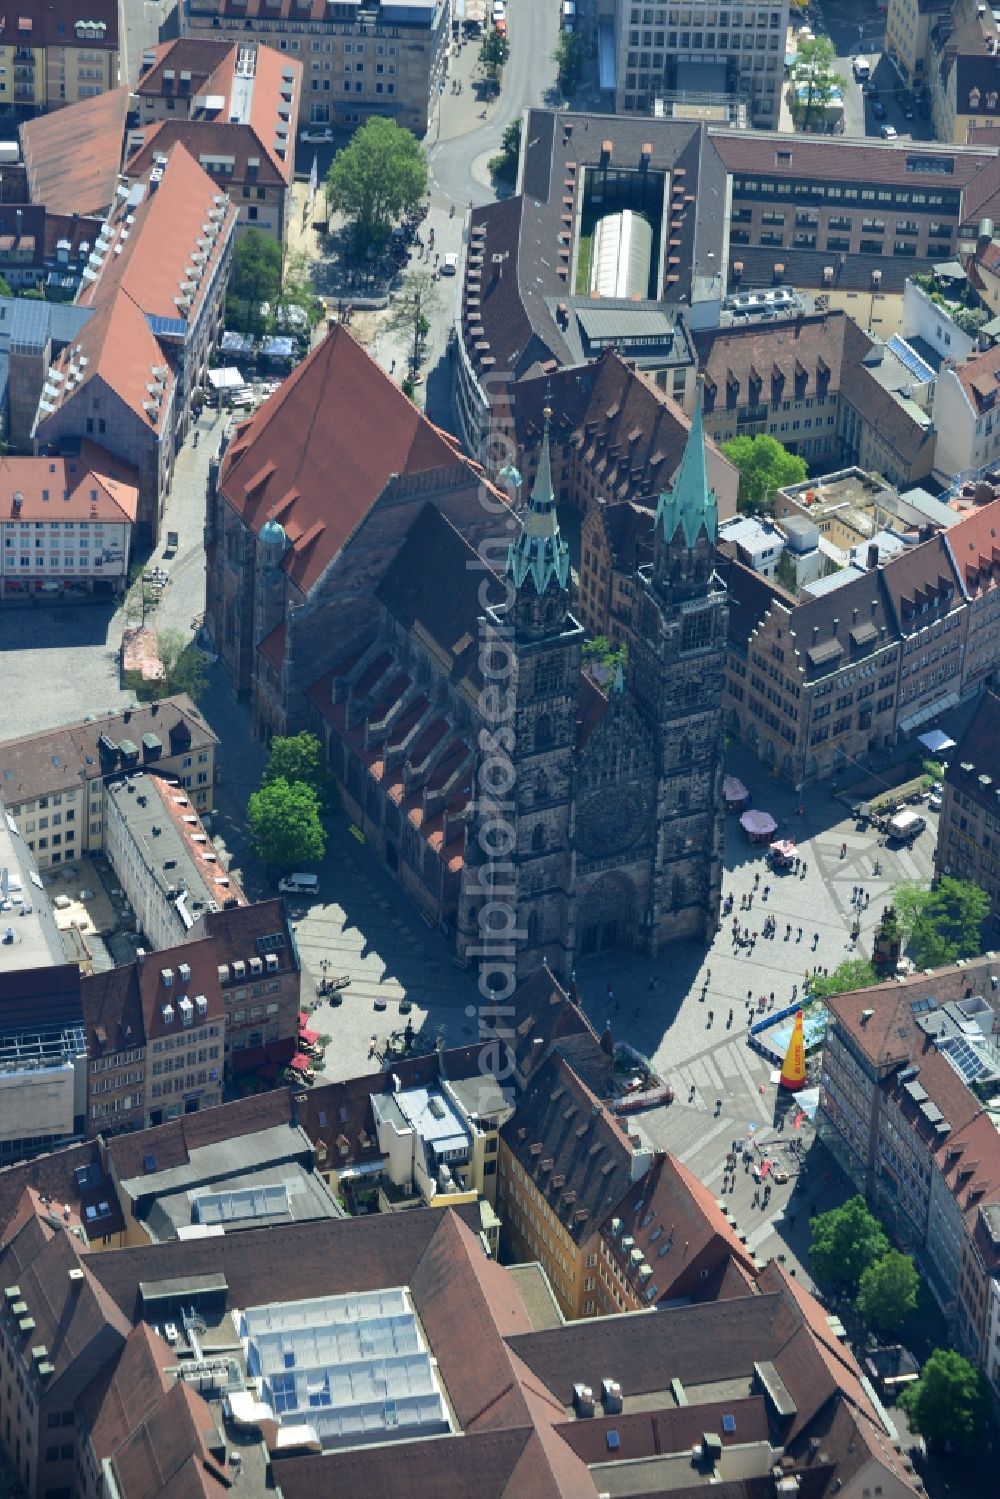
[905, 1069]
[931, 616]
[66, 524]
[967, 414]
[234, 106]
[972, 545]
[784, 378]
[164, 860]
[908, 24]
[155, 283]
[720, 52]
[968, 845]
[962, 70]
[54, 784]
[359, 57]
[50, 56]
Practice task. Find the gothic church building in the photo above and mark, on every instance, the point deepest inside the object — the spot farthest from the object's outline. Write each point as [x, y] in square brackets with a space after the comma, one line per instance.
[615, 812]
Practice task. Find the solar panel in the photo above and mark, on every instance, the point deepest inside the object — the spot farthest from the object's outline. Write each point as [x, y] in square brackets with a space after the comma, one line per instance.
[912, 360]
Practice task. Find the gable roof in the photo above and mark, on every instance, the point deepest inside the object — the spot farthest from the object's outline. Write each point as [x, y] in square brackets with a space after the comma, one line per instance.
[974, 545]
[73, 156]
[922, 584]
[92, 485]
[128, 1391]
[979, 378]
[810, 355]
[317, 455]
[574, 1152]
[890, 1034]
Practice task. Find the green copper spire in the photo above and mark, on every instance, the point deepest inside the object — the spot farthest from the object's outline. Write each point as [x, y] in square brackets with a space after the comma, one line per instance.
[540, 553]
[691, 504]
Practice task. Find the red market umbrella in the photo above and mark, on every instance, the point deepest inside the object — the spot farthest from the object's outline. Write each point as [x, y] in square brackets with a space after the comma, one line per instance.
[300, 1063]
[309, 1037]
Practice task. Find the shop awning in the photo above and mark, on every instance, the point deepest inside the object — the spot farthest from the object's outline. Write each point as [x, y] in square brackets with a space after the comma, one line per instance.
[937, 741]
[309, 1037]
[300, 1062]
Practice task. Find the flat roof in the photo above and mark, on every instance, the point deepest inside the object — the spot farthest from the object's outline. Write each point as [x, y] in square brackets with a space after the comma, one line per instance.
[25, 912]
[623, 323]
[183, 1285]
[431, 1114]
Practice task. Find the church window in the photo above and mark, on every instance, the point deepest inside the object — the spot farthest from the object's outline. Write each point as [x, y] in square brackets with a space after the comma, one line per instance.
[538, 838]
[684, 753]
[541, 786]
[548, 675]
[682, 799]
[697, 630]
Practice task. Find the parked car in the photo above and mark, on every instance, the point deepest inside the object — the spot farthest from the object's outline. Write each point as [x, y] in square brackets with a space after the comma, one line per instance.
[449, 264]
[889, 132]
[878, 109]
[316, 135]
[935, 801]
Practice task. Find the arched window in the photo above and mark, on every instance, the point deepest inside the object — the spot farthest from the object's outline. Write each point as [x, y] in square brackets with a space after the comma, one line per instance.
[541, 785]
[685, 749]
[682, 799]
[537, 838]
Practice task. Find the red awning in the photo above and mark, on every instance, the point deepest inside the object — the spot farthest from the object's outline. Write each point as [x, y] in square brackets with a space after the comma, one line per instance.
[249, 1057]
[309, 1037]
[300, 1063]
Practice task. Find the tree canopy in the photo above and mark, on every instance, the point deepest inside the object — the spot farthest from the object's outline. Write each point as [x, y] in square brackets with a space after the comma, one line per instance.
[943, 924]
[853, 973]
[379, 176]
[185, 668]
[493, 53]
[284, 824]
[887, 1292]
[949, 1401]
[764, 465]
[255, 280]
[568, 58]
[814, 76]
[299, 757]
[504, 166]
[417, 299]
[845, 1241]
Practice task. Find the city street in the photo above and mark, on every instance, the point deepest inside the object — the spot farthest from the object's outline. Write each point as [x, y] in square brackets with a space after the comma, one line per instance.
[856, 33]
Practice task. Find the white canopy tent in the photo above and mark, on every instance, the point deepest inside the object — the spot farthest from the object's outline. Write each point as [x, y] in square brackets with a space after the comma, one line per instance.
[936, 741]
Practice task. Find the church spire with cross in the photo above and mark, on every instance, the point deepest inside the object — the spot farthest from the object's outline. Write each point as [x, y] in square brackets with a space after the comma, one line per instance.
[540, 555]
[691, 503]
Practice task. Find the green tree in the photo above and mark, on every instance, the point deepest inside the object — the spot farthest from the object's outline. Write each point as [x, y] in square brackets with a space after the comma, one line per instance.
[845, 1241]
[255, 279]
[297, 289]
[299, 757]
[970, 319]
[5, 290]
[185, 668]
[416, 301]
[943, 924]
[949, 1401]
[887, 1292]
[853, 973]
[784, 572]
[764, 466]
[284, 824]
[504, 166]
[814, 77]
[379, 176]
[568, 58]
[493, 54]
[600, 652]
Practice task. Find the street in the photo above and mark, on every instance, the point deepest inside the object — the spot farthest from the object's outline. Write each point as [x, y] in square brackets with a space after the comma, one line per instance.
[858, 33]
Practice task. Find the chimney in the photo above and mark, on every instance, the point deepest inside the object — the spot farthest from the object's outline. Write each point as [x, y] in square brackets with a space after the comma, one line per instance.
[873, 554]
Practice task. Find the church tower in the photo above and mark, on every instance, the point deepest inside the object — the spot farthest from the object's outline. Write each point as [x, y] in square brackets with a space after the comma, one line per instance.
[535, 646]
[677, 677]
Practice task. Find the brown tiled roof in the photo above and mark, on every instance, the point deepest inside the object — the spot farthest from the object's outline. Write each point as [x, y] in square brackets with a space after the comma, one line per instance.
[120, 349]
[52, 23]
[128, 1391]
[909, 438]
[112, 1011]
[93, 486]
[609, 405]
[649, 1434]
[199, 56]
[974, 544]
[922, 584]
[38, 764]
[828, 634]
[750, 596]
[171, 1144]
[812, 352]
[170, 1438]
[669, 1205]
[443, 617]
[212, 138]
[979, 377]
[891, 1034]
[75, 1319]
[516, 323]
[73, 156]
[772, 156]
[979, 747]
[319, 453]
[574, 1152]
[628, 528]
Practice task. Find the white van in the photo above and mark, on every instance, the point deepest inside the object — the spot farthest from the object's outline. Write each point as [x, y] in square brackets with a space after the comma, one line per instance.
[862, 69]
[299, 884]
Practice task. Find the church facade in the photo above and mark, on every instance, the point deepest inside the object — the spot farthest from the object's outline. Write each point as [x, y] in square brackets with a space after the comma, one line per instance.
[611, 801]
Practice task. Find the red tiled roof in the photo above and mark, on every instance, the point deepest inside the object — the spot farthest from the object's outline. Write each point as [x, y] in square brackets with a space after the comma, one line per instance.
[73, 156]
[272, 647]
[979, 377]
[974, 543]
[95, 486]
[120, 349]
[199, 56]
[328, 441]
